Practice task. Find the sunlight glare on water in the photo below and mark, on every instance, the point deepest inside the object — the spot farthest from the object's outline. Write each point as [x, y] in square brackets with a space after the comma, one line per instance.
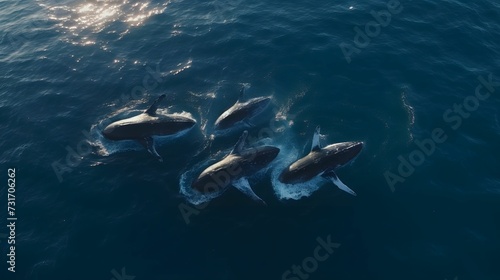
[79, 18]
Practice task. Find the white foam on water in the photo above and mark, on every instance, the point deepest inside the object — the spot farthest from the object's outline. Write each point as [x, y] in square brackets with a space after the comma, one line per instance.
[191, 195]
[283, 191]
[186, 179]
[161, 140]
[288, 154]
[411, 114]
[108, 147]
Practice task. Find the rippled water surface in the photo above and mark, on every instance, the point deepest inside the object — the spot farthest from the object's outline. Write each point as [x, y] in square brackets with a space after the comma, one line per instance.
[420, 89]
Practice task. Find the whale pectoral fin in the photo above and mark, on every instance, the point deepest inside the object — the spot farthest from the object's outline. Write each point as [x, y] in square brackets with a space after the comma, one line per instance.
[243, 186]
[149, 144]
[240, 144]
[315, 141]
[335, 179]
[152, 110]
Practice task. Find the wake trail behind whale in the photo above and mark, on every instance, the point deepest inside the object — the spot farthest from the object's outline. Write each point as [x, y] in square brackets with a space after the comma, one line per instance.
[191, 195]
[283, 191]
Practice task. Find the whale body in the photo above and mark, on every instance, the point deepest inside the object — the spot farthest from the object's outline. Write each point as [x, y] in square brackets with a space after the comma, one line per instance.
[144, 126]
[235, 167]
[241, 111]
[322, 162]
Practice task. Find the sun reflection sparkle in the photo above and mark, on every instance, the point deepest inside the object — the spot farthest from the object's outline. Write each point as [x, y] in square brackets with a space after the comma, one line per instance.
[111, 16]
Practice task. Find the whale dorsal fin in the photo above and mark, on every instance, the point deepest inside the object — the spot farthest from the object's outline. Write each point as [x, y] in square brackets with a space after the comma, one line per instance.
[242, 93]
[152, 110]
[315, 142]
[240, 144]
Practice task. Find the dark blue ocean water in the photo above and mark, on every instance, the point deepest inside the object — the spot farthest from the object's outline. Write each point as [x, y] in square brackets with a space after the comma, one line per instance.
[88, 208]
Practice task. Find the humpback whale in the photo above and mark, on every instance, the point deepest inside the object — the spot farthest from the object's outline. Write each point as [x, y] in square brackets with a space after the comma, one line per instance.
[232, 169]
[322, 161]
[144, 126]
[241, 111]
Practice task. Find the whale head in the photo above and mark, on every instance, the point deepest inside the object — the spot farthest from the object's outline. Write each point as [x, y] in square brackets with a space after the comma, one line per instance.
[241, 111]
[344, 152]
[112, 132]
[319, 161]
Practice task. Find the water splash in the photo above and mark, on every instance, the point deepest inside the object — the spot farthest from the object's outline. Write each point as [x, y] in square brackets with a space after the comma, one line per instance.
[288, 155]
[284, 114]
[411, 114]
[180, 68]
[281, 138]
[192, 196]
